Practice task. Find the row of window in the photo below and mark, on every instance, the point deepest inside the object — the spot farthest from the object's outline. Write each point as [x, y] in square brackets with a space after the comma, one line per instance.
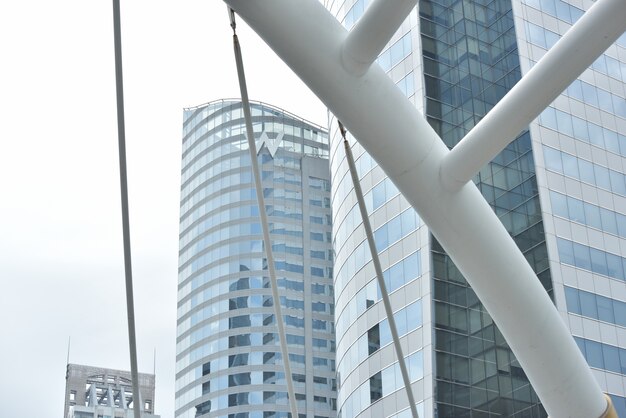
[389, 233]
[251, 262]
[540, 36]
[597, 97]
[243, 283]
[557, 8]
[384, 191]
[251, 320]
[584, 130]
[585, 171]
[245, 340]
[591, 259]
[588, 214]
[189, 234]
[208, 173]
[342, 188]
[194, 140]
[219, 201]
[355, 12]
[244, 227]
[221, 239]
[407, 85]
[595, 306]
[188, 210]
[236, 399]
[407, 319]
[215, 272]
[255, 358]
[236, 161]
[564, 11]
[603, 356]
[395, 277]
[262, 378]
[382, 384]
[200, 203]
[395, 53]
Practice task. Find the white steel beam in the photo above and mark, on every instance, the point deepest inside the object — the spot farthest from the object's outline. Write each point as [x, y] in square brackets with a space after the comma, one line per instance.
[372, 32]
[583, 43]
[310, 40]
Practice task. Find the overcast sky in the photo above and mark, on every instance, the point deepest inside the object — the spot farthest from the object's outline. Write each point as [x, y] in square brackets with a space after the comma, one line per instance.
[61, 257]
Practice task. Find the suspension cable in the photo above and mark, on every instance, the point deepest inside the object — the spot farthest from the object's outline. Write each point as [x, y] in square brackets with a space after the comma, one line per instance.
[379, 271]
[121, 134]
[263, 215]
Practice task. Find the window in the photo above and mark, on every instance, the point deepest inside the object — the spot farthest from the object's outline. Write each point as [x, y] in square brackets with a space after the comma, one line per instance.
[376, 387]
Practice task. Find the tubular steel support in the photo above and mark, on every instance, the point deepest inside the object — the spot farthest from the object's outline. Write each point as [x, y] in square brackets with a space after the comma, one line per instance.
[310, 41]
[121, 133]
[583, 43]
[372, 32]
[264, 224]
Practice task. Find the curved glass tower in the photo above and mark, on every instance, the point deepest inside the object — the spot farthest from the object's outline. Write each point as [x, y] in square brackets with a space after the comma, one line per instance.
[228, 361]
[559, 189]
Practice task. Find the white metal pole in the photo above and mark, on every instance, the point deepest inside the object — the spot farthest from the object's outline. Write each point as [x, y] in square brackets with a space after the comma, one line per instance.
[309, 39]
[372, 32]
[583, 43]
[128, 270]
[267, 241]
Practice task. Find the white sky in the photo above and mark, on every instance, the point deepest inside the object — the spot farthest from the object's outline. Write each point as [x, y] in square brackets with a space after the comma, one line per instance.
[61, 258]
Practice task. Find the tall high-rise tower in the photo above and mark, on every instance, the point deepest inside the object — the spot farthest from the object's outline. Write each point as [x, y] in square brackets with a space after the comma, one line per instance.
[228, 361]
[559, 189]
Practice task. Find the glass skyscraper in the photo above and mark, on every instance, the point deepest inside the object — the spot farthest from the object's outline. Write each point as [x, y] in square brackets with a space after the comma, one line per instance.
[559, 189]
[228, 359]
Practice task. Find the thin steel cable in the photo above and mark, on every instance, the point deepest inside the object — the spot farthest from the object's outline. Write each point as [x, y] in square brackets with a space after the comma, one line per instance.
[121, 134]
[263, 215]
[379, 271]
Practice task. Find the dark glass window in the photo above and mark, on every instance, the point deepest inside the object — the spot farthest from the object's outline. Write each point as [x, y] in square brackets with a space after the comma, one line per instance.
[573, 303]
[373, 339]
[376, 387]
[239, 379]
[238, 360]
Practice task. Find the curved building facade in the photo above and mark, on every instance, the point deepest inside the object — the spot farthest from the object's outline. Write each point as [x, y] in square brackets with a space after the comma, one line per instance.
[559, 189]
[228, 361]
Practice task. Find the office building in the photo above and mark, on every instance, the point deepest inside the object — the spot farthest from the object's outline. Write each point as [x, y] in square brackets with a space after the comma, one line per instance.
[559, 189]
[228, 361]
[96, 392]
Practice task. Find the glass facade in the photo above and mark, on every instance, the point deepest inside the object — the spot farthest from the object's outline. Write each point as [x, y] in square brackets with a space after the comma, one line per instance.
[559, 189]
[370, 383]
[228, 358]
[470, 62]
[579, 144]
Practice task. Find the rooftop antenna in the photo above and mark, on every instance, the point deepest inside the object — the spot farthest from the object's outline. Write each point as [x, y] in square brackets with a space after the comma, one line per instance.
[69, 342]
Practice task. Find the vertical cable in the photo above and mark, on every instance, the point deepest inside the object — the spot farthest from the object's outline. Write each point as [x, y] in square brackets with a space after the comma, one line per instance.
[266, 231]
[379, 272]
[121, 134]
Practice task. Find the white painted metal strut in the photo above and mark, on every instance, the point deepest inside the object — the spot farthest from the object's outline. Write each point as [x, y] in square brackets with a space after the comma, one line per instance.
[372, 32]
[128, 270]
[583, 43]
[310, 40]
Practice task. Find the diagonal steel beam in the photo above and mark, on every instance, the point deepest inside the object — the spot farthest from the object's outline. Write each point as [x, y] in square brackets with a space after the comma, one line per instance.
[583, 43]
[310, 41]
[372, 32]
